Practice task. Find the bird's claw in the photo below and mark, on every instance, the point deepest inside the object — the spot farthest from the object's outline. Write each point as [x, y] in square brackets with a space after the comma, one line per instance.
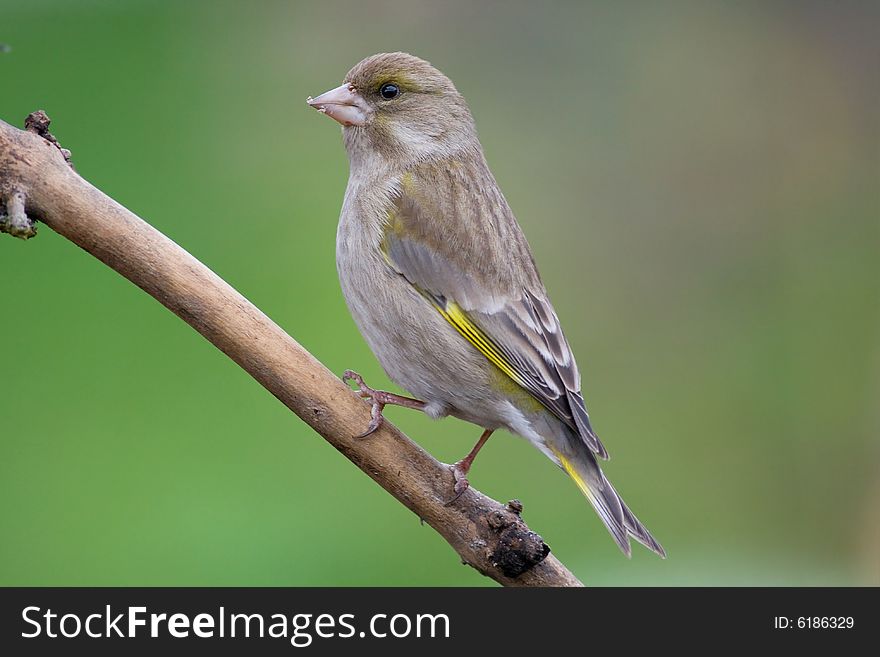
[374, 396]
[351, 375]
[379, 400]
[459, 474]
[376, 418]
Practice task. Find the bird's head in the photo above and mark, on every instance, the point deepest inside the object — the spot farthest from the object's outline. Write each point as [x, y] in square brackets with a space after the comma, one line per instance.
[398, 107]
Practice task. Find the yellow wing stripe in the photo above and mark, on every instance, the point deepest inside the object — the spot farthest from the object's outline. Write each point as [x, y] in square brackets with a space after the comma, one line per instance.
[569, 469]
[453, 314]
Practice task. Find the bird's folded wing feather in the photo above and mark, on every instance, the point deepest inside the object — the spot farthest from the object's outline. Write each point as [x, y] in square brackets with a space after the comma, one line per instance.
[501, 309]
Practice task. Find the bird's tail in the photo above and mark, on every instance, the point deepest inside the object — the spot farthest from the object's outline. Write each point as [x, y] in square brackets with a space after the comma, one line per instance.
[619, 520]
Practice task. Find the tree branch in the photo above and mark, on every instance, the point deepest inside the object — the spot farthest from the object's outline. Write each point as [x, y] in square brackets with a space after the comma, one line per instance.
[36, 177]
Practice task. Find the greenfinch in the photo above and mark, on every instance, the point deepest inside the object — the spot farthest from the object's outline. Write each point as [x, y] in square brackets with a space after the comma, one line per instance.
[442, 283]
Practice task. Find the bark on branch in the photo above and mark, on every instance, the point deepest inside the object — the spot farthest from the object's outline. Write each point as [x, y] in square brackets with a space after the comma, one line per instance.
[37, 182]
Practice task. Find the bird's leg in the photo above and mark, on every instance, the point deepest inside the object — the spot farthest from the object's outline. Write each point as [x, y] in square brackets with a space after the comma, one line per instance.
[461, 468]
[379, 399]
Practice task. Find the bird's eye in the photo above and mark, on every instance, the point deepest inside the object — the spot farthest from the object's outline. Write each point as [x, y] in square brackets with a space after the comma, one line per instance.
[389, 91]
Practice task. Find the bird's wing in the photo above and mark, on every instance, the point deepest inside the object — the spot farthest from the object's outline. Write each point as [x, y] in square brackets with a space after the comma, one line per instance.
[496, 299]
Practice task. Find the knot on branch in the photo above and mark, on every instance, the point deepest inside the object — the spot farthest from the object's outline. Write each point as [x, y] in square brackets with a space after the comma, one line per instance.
[13, 219]
[518, 549]
[38, 123]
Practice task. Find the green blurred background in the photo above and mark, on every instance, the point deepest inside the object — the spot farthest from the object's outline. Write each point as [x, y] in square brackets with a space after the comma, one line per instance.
[699, 182]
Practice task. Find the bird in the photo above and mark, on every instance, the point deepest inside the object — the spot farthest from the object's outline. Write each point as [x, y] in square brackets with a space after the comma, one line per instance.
[442, 284]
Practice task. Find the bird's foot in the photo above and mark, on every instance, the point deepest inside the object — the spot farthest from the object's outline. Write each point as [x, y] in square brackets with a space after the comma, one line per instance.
[378, 399]
[461, 468]
[459, 475]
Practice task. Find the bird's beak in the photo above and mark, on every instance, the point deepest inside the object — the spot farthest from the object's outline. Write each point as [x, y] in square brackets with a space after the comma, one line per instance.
[343, 104]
